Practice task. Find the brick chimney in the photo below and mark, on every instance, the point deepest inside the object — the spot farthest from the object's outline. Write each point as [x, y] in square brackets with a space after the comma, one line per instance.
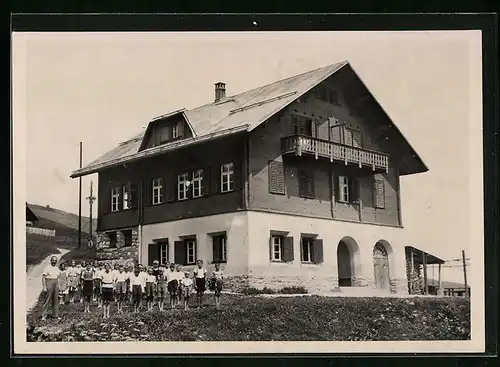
[220, 91]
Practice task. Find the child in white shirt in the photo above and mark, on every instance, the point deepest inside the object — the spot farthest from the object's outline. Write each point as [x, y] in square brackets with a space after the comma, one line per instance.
[150, 281]
[121, 287]
[187, 287]
[137, 286]
[217, 278]
[200, 275]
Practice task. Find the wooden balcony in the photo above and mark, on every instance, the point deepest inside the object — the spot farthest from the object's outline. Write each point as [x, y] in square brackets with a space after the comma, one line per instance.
[304, 145]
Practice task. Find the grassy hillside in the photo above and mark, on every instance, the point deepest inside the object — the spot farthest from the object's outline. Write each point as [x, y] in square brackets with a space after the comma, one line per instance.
[38, 247]
[50, 216]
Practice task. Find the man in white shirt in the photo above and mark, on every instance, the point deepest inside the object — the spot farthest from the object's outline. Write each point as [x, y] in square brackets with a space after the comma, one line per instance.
[50, 286]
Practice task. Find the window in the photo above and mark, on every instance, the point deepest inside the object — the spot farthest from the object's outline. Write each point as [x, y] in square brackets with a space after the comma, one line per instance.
[157, 191]
[379, 193]
[115, 199]
[175, 131]
[191, 251]
[343, 189]
[276, 179]
[126, 197]
[198, 183]
[182, 187]
[227, 177]
[306, 184]
[328, 95]
[303, 125]
[163, 253]
[306, 249]
[219, 248]
[127, 237]
[112, 239]
[352, 137]
[277, 248]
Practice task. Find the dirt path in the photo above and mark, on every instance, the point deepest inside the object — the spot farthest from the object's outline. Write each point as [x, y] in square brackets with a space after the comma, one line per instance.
[34, 279]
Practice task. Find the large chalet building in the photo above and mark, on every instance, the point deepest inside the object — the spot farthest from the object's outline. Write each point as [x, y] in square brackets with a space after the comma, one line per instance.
[295, 183]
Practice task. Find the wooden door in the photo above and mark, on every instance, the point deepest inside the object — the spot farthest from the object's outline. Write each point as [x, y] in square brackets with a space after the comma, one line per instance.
[381, 267]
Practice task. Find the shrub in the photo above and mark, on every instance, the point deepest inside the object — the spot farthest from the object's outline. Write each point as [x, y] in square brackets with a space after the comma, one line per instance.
[253, 291]
[293, 290]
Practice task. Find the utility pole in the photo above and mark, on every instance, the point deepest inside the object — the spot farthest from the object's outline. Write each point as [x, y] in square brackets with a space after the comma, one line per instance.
[465, 274]
[80, 203]
[91, 198]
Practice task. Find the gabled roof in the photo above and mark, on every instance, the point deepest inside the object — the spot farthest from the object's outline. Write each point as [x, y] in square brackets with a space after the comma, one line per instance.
[241, 112]
[30, 216]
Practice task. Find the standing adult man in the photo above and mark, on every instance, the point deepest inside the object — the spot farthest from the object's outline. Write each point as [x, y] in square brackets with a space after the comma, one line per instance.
[50, 286]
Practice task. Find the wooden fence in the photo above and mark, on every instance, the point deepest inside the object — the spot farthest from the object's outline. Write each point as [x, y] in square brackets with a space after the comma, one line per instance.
[41, 231]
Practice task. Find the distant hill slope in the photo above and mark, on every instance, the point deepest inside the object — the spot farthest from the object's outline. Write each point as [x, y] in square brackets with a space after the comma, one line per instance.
[66, 226]
[62, 218]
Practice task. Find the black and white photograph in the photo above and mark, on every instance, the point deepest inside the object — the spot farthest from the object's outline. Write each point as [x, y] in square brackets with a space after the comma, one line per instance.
[310, 191]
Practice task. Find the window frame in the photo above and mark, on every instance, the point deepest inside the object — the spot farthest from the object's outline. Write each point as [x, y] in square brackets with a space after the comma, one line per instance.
[115, 199]
[183, 182]
[223, 246]
[190, 242]
[197, 183]
[126, 197]
[175, 131]
[310, 245]
[344, 196]
[380, 181]
[164, 250]
[227, 177]
[157, 191]
[279, 246]
[125, 234]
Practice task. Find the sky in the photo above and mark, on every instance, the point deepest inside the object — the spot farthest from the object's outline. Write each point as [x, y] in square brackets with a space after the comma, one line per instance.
[102, 89]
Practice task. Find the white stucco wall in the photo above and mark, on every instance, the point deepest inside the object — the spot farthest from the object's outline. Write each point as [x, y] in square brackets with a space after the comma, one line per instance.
[234, 224]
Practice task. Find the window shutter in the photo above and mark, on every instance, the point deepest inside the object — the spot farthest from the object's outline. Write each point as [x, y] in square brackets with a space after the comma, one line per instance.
[215, 173]
[180, 253]
[120, 197]
[317, 251]
[170, 187]
[314, 129]
[294, 125]
[237, 176]
[347, 137]
[147, 192]
[153, 253]
[288, 249]
[310, 185]
[336, 186]
[190, 188]
[133, 195]
[105, 202]
[356, 138]
[217, 248]
[301, 177]
[379, 193]
[276, 177]
[180, 129]
[352, 184]
[206, 181]
[271, 248]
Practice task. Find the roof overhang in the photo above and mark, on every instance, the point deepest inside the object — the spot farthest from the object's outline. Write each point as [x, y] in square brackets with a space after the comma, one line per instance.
[418, 256]
[30, 216]
[157, 150]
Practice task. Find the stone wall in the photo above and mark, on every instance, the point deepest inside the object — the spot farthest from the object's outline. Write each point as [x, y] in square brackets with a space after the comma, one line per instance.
[121, 254]
[236, 283]
[415, 276]
[313, 284]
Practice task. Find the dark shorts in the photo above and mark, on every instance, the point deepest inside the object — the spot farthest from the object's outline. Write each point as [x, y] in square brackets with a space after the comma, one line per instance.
[161, 289]
[121, 288]
[150, 291]
[88, 288]
[136, 293]
[200, 285]
[218, 286]
[97, 285]
[173, 287]
[107, 294]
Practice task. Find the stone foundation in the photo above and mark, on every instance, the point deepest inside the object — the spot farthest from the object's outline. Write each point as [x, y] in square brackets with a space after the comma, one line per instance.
[313, 284]
[236, 283]
[121, 254]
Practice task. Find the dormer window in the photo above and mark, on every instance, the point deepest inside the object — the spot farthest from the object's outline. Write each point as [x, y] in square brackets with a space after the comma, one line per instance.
[175, 132]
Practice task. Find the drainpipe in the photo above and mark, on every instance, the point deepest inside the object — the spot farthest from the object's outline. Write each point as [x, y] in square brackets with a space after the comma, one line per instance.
[141, 219]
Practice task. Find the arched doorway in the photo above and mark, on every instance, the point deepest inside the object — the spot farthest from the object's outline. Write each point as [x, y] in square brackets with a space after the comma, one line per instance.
[381, 266]
[347, 252]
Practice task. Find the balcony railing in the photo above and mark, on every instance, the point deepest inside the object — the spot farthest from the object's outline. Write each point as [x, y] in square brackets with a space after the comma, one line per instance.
[299, 145]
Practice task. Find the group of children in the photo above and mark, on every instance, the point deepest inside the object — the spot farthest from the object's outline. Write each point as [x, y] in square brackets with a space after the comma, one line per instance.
[99, 283]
